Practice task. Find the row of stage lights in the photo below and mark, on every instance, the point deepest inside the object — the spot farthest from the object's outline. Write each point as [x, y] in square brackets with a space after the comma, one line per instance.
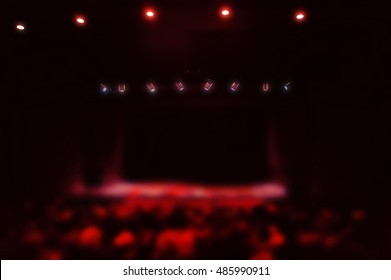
[179, 86]
[151, 14]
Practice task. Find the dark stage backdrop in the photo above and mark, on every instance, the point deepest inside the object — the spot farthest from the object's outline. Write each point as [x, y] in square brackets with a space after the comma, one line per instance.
[196, 145]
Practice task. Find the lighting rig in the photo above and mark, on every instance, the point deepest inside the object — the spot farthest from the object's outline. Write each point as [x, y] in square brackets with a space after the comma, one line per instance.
[180, 87]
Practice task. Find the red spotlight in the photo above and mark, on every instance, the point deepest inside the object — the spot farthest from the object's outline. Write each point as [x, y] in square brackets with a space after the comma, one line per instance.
[300, 16]
[80, 20]
[225, 12]
[20, 27]
[150, 14]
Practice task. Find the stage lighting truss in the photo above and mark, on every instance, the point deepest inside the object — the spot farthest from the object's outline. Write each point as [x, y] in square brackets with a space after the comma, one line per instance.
[152, 88]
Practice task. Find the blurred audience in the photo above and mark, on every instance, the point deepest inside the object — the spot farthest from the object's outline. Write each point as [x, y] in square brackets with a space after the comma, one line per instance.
[75, 229]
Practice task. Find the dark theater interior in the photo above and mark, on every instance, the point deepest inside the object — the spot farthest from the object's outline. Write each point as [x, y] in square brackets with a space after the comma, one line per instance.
[179, 129]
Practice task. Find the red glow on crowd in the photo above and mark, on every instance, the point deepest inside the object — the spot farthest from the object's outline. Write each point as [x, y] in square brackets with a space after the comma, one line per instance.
[146, 229]
[124, 238]
[90, 236]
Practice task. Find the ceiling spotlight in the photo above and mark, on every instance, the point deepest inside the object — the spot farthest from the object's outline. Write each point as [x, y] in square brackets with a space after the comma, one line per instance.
[208, 85]
[20, 27]
[225, 12]
[151, 87]
[122, 88]
[80, 20]
[150, 14]
[235, 86]
[179, 86]
[266, 87]
[300, 16]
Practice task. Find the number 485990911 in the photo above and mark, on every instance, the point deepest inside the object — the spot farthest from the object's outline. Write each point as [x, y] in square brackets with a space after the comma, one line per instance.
[243, 270]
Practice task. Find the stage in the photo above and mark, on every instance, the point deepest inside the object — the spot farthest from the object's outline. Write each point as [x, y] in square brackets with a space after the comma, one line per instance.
[184, 192]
